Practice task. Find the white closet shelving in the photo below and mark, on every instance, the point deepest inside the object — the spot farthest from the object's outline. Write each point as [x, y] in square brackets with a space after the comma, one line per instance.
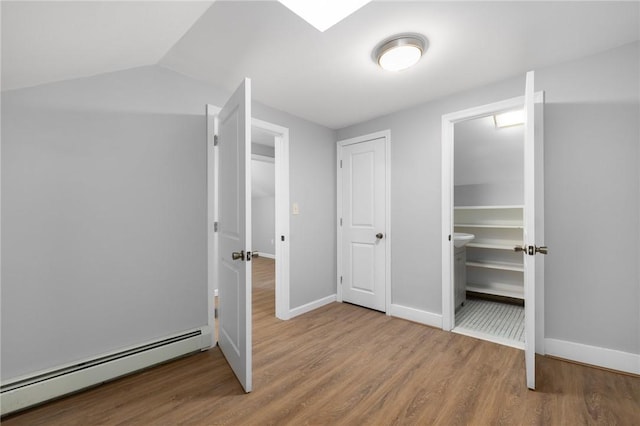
[493, 267]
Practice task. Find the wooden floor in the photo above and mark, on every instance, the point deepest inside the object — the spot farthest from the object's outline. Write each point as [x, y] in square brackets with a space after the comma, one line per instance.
[342, 364]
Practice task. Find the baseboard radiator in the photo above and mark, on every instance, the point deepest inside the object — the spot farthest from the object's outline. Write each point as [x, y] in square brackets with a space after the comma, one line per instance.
[36, 388]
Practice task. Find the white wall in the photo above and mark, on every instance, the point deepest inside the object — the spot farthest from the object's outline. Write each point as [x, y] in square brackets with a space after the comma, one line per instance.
[103, 213]
[263, 205]
[489, 194]
[592, 196]
[263, 221]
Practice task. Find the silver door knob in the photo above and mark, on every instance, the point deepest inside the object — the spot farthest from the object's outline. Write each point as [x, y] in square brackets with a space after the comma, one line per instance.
[520, 248]
[379, 235]
[542, 250]
[237, 255]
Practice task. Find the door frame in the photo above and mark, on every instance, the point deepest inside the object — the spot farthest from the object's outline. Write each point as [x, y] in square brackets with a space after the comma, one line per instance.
[448, 122]
[386, 134]
[281, 160]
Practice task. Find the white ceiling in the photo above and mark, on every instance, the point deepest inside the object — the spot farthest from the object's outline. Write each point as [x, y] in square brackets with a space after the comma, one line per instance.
[329, 78]
[49, 41]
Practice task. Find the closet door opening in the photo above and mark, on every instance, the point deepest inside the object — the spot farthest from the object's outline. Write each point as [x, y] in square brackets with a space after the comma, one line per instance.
[488, 200]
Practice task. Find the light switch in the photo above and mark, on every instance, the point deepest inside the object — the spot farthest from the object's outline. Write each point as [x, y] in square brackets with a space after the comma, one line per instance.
[296, 208]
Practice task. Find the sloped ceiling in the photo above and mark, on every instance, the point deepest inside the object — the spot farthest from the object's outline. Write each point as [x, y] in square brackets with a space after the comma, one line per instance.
[47, 41]
[486, 154]
[329, 78]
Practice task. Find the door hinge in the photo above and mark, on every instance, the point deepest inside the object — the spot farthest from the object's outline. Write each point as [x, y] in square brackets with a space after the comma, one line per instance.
[215, 226]
[215, 140]
[341, 280]
[281, 237]
[340, 221]
[340, 163]
[449, 237]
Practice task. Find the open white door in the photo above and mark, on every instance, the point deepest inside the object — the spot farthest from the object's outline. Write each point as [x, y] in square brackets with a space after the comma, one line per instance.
[233, 205]
[533, 227]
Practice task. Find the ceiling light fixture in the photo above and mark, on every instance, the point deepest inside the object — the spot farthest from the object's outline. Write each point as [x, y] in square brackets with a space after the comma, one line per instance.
[323, 14]
[400, 52]
[509, 118]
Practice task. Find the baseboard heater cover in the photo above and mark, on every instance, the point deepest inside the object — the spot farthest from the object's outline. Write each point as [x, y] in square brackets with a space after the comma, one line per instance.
[36, 388]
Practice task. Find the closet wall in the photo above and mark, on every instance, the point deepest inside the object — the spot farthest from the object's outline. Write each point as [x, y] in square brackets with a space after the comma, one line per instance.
[488, 163]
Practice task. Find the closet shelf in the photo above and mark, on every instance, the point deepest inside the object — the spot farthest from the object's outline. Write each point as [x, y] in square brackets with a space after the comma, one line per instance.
[498, 289]
[494, 244]
[488, 225]
[496, 228]
[503, 266]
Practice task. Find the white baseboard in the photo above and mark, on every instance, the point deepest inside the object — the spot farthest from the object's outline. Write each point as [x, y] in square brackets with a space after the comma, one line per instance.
[32, 389]
[267, 255]
[416, 315]
[307, 307]
[594, 355]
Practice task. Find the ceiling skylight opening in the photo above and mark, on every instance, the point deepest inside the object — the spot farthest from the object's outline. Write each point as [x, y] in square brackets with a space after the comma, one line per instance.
[323, 14]
[509, 118]
[400, 52]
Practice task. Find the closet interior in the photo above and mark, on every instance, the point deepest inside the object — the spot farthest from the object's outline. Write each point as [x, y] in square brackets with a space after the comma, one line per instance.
[488, 225]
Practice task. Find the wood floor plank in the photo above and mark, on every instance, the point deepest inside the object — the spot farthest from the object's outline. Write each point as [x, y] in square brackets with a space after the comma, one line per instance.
[346, 365]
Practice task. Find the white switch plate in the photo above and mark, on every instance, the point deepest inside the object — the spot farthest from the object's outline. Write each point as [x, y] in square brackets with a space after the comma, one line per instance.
[296, 208]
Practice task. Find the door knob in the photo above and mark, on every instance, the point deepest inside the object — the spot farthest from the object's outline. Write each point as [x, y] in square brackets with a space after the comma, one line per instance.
[379, 235]
[237, 255]
[520, 248]
[542, 249]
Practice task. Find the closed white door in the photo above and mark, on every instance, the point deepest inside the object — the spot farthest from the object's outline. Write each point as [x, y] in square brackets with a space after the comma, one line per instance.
[234, 232]
[362, 222]
[533, 226]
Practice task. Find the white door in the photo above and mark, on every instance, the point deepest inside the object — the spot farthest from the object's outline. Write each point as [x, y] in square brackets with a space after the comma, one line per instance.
[533, 227]
[362, 221]
[234, 232]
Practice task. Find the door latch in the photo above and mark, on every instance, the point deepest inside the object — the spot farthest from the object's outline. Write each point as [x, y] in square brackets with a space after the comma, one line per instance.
[542, 250]
[531, 250]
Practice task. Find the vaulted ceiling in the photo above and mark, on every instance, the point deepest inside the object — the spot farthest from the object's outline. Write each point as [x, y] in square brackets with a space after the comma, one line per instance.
[330, 77]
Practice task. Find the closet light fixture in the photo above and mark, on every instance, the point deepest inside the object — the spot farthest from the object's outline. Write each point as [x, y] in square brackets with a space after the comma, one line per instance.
[509, 118]
[323, 14]
[400, 52]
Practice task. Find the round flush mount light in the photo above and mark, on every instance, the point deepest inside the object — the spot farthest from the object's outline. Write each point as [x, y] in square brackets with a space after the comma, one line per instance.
[400, 52]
